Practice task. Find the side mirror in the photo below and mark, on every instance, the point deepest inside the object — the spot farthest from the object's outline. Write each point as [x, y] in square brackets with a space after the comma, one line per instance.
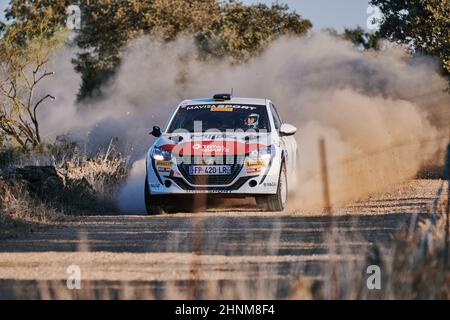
[287, 130]
[156, 132]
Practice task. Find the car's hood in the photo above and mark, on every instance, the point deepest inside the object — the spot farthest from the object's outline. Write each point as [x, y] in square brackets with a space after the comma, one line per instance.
[213, 144]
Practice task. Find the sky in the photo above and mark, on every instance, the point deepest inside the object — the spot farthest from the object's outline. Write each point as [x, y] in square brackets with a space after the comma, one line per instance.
[322, 13]
[3, 5]
[328, 13]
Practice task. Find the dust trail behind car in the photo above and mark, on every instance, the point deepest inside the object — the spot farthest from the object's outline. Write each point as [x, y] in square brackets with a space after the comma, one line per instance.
[360, 102]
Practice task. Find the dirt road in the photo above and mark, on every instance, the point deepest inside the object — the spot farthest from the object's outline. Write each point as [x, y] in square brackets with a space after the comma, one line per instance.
[235, 246]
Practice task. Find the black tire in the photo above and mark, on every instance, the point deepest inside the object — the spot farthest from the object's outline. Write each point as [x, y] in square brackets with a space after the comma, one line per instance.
[261, 201]
[277, 202]
[153, 204]
[175, 208]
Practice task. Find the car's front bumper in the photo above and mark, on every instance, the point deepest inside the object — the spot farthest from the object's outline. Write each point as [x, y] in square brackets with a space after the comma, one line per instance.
[247, 182]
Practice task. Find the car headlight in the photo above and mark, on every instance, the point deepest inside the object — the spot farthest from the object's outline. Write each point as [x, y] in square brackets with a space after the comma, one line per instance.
[265, 153]
[161, 155]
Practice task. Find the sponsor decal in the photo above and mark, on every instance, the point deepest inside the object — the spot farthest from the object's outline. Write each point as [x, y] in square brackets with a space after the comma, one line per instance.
[155, 186]
[270, 184]
[211, 148]
[162, 169]
[254, 171]
[211, 106]
[222, 109]
[222, 147]
[255, 167]
[253, 164]
[165, 164]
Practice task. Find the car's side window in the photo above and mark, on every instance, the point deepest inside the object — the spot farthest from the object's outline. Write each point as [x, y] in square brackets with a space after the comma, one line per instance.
[276, 117]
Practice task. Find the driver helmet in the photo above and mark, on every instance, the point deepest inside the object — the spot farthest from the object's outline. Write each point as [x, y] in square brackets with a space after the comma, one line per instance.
[252, 120]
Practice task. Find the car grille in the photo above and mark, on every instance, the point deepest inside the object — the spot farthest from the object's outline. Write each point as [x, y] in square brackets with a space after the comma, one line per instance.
[236, 186]
[236, 163]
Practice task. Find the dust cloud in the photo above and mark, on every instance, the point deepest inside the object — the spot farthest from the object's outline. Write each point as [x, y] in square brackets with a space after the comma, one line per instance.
[378, 112]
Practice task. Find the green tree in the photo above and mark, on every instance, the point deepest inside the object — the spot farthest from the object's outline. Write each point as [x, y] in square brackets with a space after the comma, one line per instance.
[37, 17]
[242, 31]
[108, 25]
[424, 25]
[231, 29]
[221, 29]
[360, 37]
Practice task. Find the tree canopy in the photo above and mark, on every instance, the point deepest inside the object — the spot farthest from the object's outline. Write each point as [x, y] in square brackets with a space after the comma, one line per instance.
[360, 37]
[424, 25]
[229, 29]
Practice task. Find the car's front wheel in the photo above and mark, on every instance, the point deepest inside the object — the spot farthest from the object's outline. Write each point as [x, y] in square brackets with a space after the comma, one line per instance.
[153, 204]
[277, 202]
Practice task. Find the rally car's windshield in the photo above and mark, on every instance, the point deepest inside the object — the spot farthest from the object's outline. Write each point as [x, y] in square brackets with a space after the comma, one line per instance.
[221, 117]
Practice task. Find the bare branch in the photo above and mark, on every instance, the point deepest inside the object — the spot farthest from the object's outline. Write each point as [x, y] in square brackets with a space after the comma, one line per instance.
[12, 89]
[7, 94]
[46, 74]
[48, 96]
[37, 69]
[22, 69]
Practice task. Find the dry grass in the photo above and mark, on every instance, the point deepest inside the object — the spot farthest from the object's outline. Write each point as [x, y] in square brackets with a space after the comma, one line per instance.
[43, 187]
[19, 212]
[412, 267]
[101, 177]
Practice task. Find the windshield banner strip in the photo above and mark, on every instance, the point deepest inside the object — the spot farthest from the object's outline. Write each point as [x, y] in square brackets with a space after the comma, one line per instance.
[217, 106]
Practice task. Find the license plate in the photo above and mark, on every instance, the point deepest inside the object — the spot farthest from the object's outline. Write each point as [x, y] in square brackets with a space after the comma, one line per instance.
[210, 170]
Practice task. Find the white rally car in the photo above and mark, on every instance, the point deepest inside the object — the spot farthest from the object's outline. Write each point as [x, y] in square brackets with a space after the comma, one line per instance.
[221, 147]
